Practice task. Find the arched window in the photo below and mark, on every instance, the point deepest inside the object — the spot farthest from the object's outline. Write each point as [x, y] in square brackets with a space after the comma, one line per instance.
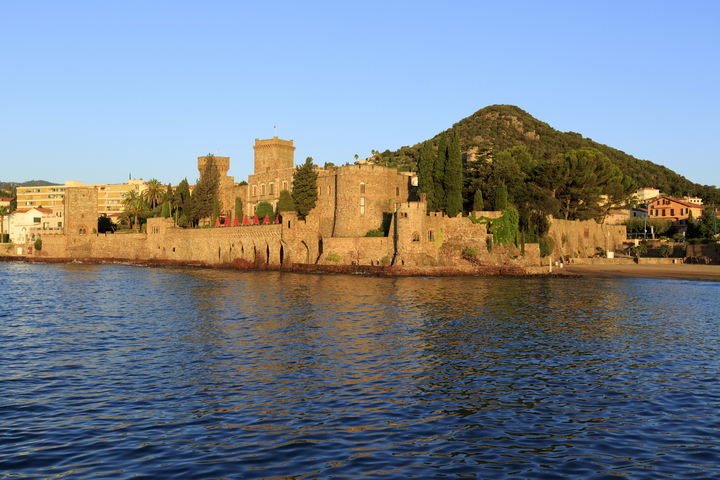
[416, 237]
[362, 187]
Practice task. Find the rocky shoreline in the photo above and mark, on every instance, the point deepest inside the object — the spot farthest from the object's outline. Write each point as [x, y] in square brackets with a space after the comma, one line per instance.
[378, 271]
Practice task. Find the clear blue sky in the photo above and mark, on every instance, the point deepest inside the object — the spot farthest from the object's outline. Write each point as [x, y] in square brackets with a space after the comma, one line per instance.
[96, 90]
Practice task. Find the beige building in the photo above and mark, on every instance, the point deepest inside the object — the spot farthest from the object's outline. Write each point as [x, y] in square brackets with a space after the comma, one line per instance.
[110, 196]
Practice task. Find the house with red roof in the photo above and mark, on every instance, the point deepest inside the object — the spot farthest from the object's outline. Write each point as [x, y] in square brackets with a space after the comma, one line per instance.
[30, 224]
[676, 210]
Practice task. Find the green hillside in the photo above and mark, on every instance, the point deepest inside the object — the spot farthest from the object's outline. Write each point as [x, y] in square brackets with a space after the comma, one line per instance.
[500, 127]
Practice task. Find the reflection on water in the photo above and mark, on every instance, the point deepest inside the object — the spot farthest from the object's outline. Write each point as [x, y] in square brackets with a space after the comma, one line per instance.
[120, 371]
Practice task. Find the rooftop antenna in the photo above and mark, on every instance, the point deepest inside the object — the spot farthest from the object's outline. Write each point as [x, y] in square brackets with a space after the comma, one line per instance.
[275, 127]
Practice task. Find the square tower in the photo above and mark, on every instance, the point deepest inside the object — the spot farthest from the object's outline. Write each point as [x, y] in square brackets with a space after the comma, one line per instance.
[81, 210]
[274, 154]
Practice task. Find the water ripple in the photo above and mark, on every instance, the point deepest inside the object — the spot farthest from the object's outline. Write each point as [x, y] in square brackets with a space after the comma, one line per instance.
[116, 371]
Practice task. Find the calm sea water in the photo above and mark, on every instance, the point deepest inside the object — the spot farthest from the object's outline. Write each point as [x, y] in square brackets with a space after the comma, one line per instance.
[116, 371]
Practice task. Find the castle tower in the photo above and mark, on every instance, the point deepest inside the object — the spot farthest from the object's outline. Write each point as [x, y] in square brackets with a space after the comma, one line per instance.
[222, 164]
[273, 154]
[81, 211]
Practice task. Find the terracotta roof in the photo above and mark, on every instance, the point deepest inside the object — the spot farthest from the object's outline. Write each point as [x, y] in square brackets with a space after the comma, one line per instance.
[25, 210]
[9, 199]
[682, 202]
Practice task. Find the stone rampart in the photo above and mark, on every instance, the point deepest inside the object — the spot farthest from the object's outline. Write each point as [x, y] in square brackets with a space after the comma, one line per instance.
[357, 251]
[711, 252]
[582, 238]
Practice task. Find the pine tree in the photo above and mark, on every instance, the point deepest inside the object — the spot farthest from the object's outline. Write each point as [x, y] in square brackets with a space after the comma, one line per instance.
[426, 179]
[478, 204]
[439, 172]
[305, 192]
[286, 202]
[500, 197]
[206, 189]
[453, 178]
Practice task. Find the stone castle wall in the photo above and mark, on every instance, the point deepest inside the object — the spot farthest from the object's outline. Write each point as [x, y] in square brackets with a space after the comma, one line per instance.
[584, 237]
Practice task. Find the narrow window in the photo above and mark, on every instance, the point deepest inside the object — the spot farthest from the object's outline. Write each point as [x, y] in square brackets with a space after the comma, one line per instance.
[672, 212]
[362, 187]
[362, 204]
[262, 189]
[254, 191]
[272, 189]
[416, 237]
[397, 191]
[284, 185]
[329, 190]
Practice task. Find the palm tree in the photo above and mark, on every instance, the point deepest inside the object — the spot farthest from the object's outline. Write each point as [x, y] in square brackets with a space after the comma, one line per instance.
[177, 202]
[154, 192]
[135, 208]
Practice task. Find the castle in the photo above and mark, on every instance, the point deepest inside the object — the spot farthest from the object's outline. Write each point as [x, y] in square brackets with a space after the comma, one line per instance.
[352, 200]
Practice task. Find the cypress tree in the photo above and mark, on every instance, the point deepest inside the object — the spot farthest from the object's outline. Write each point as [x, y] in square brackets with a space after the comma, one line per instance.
[478, 204]
[426, 179]
[439, 173]
[239, 208]
[500, 197]
[453, 178]
[215, 211]
[165, 210]
[305, 192]
[184, 202]
[286, 202]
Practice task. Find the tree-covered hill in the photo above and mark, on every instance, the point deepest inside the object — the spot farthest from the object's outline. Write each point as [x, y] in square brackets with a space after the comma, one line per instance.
[29, 183]
[500, 127]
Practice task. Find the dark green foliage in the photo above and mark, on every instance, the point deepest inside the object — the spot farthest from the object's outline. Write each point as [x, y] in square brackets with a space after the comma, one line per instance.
[265, 208]
[501, 194]
[166, 210]
[470, 252]
[305, 188]
[439, 172]
[375, 233]
[691, 231]
[286, 202]
[426, 179]
[105, 225]
[706, 223]
[547, 245]
[215, 210]
[478, 204]
[496, 128]
[184, 202]
[505, 229]
[453, 178]
[666, 250]
[657, 225]
[38, 244]
[206, 189]
[239, 208]
[169, 194]
[586, 175]
[244, 182]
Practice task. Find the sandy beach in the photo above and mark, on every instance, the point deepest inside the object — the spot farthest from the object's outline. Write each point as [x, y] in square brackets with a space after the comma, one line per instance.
[681, 271]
